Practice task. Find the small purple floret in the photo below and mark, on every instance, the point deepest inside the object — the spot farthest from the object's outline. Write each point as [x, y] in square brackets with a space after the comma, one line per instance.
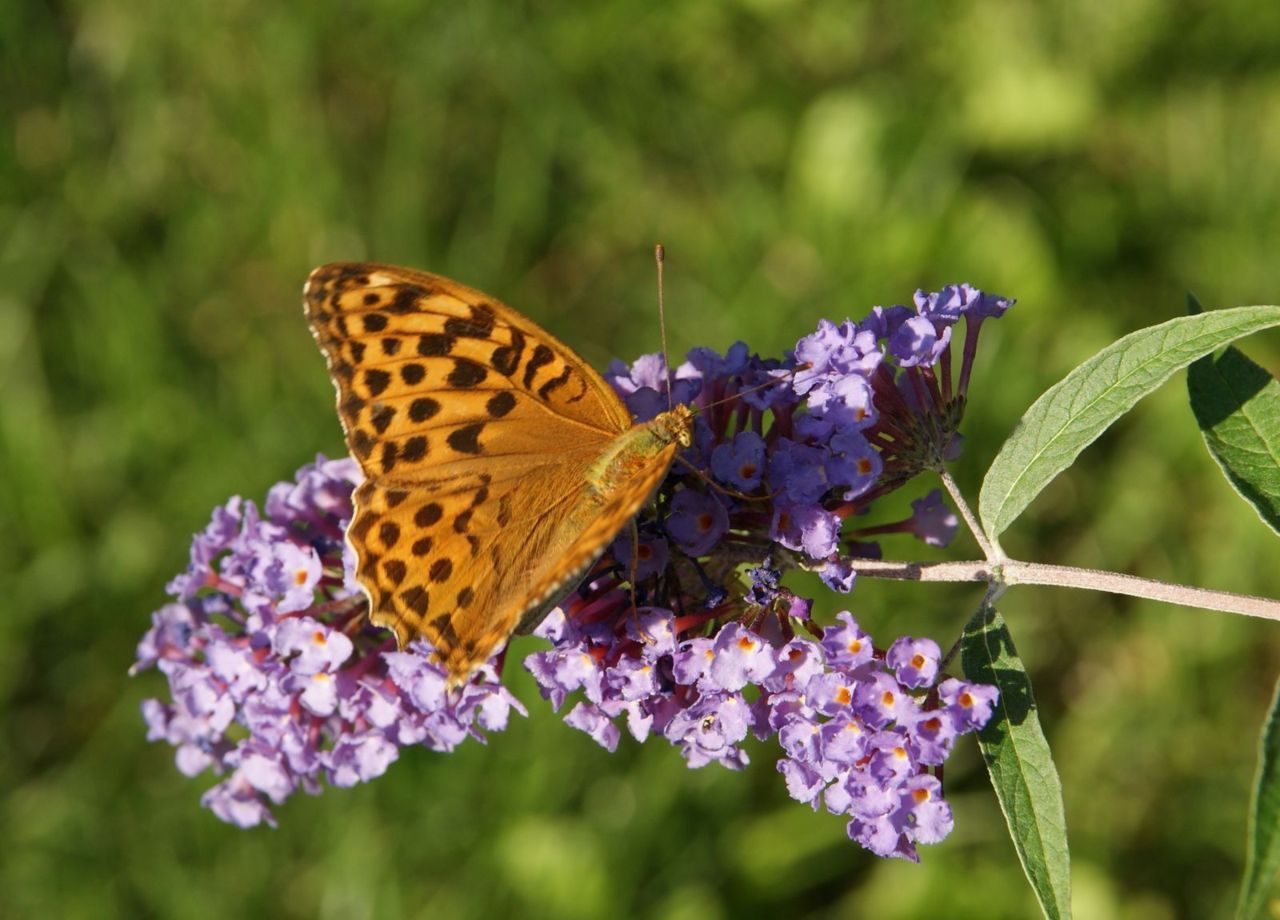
[932, 521]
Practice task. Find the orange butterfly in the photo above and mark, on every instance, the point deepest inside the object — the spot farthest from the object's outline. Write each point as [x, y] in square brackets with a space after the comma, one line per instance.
[498, 465]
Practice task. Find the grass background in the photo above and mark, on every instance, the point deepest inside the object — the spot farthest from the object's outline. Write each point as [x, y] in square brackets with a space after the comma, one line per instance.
[169, 173]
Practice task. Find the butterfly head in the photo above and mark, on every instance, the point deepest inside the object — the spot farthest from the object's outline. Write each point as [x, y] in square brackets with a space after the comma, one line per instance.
[675, 425]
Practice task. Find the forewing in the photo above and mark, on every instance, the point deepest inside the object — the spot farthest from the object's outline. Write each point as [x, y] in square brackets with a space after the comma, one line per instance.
[431, 374]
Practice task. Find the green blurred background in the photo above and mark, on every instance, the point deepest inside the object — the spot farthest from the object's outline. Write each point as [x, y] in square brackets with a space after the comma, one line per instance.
[170, 172]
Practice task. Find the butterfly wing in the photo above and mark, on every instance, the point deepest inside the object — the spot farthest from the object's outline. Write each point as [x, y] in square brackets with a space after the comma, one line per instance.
[476, 430]
[468, 561]
[592, 526]
[446, 561]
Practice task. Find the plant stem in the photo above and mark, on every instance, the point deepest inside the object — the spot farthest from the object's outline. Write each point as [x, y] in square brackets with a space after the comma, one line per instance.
[1013, 572]
[963, 507]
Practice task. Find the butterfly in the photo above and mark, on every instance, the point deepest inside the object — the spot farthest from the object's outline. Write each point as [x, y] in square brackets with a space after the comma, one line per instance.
[498, 464]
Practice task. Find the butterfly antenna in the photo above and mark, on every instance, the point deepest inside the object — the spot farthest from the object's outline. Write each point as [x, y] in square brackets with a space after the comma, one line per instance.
[790, 372]
[635, 568]
[660, 256]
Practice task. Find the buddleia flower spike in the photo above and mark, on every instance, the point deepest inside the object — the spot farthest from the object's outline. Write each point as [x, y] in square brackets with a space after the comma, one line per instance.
[492, 482]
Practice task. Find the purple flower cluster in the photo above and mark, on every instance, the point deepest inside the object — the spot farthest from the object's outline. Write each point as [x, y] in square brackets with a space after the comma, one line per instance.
[797, 447]
[278, 682]
[860, 729]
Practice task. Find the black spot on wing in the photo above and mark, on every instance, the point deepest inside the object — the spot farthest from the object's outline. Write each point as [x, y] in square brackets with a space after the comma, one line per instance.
[343, 370]
[414, 449]
[389, 452]
[466, 373]
[479, 326]
[361, 525]
[406, 298]
[542, 355]
[434, 344]
[416, 599]
[352, 403]
[500, 404]
[376, 380]
[506, 358]
[395, 570]
[423, 408]
[555, 383]
[443, 626]
[395, 497]
[381, 417]
[466, 440]
[361, 443]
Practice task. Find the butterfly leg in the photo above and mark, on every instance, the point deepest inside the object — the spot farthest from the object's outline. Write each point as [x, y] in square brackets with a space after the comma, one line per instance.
[635, 567]
[732, 493]
[635, 577]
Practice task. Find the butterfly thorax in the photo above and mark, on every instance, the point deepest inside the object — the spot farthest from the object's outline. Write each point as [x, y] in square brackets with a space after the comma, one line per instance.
[633, 451]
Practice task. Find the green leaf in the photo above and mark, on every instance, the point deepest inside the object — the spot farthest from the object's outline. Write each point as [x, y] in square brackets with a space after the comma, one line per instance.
[1262, 860]
[1019, 763]
[1237, 404]
[1074, 411]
